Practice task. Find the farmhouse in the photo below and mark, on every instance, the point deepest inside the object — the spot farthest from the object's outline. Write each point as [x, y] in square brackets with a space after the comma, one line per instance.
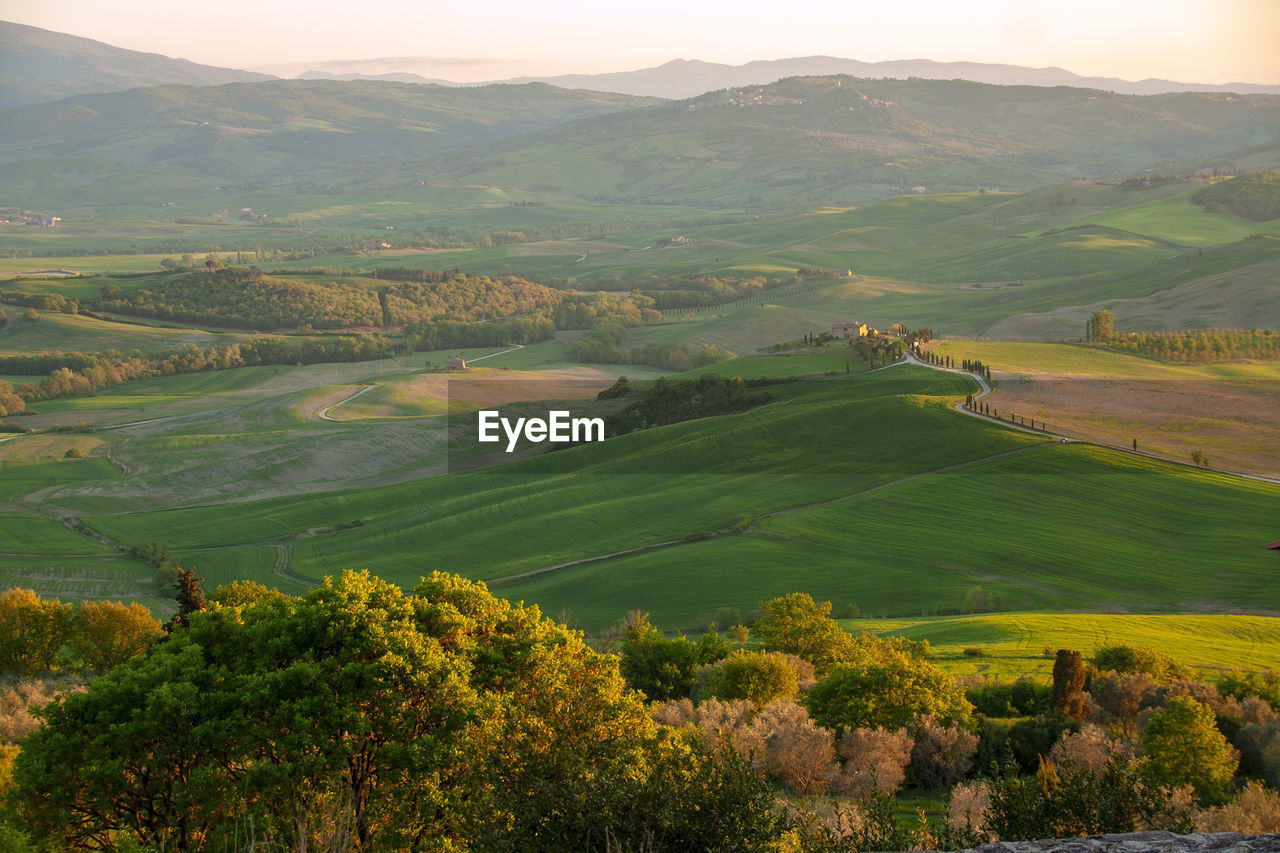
[851, 330]
[455, 363]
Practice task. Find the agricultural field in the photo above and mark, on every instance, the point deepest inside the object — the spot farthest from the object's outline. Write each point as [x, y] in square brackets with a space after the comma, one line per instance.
[821, 490]
[1229, 411]
[1006, 646]
[857, 486]
[75, 333]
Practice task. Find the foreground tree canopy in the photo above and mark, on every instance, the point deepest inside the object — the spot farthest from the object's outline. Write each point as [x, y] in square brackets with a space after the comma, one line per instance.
[441, 720]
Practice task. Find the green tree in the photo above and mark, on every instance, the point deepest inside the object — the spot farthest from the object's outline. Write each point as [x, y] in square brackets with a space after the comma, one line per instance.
[664, 669]
[885, 687]
[1068, 684]
[1183, 744]
[190, 597]
[1101, 326]
[30, 315]
[758, 677]
[797, 625]
[443, 719]
[1199, 458]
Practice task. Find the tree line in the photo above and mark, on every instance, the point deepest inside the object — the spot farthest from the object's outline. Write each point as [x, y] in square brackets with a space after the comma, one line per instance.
[75, 374]
[565, 311]
[1254, 196]
[359, 716]
[1201, 345]
[247, 298]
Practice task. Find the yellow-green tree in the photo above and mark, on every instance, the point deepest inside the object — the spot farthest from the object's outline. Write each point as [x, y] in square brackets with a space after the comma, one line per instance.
[32, 631]
[1183, 744]
[105, 634]
[444, 719]
[885, 686]
[798, 625]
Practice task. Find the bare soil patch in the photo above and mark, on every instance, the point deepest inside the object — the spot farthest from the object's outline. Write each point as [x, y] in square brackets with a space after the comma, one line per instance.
[1234, 423]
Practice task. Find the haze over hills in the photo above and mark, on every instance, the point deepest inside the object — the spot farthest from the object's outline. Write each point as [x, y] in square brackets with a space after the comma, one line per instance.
[818, 140]
[798, 142]
[39, 65]
[685, 78]
[282, 128]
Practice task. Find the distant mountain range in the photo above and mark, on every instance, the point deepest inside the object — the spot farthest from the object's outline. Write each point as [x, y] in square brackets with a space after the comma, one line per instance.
[685, 78]
[40, 65]
[802, 141]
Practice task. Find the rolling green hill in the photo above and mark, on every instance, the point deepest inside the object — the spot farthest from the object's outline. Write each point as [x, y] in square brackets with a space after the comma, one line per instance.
[276, 130]
[816, 140]
[864, 488]
[798, 142]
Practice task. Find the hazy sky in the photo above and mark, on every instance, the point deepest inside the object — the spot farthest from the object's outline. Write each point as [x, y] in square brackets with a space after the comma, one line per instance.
[1210, 41]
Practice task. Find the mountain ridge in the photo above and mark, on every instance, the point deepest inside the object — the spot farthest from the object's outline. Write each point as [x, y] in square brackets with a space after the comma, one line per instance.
[686, 78]
[38, 66]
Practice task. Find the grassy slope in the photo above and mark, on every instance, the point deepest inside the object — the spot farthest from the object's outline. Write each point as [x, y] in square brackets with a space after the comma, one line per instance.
[994, 263]
[70, 333]
[1013, 643]
[1158, 537]
[1095, 361]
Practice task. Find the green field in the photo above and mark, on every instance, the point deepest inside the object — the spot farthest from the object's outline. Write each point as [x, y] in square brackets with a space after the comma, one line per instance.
[1096, 361]
[1014, 644]
[903, 534]
[74, 333]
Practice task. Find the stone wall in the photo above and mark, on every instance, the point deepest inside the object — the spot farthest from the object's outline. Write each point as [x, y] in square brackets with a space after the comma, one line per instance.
[1142, 842]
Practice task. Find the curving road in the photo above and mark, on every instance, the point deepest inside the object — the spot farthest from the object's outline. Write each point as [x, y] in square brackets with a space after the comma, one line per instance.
[323, 414]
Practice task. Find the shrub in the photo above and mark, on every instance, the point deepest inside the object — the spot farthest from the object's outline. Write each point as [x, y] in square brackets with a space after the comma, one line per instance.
[875, 761]
[758, 677]
[1256, 811]
[1120, 697]
[796, 752]
[1123, 658]
[1245, 684]
[942, 755]
[1031, 739]
[18, 701]
[726, 726]
[1023, 698]
[673, 712]
[1089, 748]
[1259, 747]
[967, 812]
[1063, 801]
[662, 668]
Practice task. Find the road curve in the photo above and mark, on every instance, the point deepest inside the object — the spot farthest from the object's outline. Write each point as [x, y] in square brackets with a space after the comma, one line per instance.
[323, 414]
